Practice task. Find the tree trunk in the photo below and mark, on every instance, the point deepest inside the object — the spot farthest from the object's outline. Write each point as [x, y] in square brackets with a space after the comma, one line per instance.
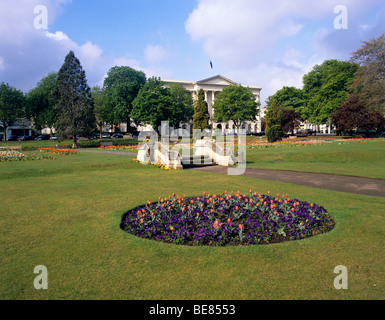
[74, 143]
[5, 131]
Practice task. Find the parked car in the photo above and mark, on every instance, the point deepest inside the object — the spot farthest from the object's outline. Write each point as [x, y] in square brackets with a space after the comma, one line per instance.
[95, 135]
[54, 137]
[12, 138]
[302, 133]
[117, 136]
[25, 138]
[42, 137]
[106, 136]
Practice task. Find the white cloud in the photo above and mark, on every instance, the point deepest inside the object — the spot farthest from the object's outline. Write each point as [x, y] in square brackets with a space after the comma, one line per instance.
[58, 36]
[273, 43]
[28, 54]
[155, 54]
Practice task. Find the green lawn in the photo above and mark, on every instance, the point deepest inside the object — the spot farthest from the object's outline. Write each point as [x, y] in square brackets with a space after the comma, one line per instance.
[65, 214]
[366, 159]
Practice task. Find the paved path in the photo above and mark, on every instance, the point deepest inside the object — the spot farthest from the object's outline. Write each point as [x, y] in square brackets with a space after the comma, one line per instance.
[357, 185]
[350, 184]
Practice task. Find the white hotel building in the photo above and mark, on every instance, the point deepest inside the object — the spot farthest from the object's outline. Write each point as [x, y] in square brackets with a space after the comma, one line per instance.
[211, 87]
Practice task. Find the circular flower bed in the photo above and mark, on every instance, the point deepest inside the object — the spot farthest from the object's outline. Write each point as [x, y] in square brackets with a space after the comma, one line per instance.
[228, 219]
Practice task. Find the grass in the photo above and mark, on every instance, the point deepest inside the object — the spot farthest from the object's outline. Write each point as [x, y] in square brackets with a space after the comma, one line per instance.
[65, 214]
[366, 159]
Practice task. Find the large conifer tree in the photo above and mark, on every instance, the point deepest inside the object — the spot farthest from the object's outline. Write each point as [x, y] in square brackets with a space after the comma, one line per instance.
[75, 106]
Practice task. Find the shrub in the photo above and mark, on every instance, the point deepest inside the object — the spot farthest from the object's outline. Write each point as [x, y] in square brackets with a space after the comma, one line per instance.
[274, 133]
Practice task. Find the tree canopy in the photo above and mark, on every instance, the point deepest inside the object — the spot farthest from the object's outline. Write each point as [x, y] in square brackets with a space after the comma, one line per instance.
[41, 101]
[353, 114]
[75, 106]
[155, 104]
[236, 103]
[101, 107]
[273, 118]
[201, 116]
[289, 97]
[122, 86]
[184, 105]
[369, 82]
[325, 88]
[11, 106]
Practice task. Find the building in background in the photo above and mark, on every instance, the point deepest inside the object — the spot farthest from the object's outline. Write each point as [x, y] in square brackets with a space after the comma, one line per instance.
[211, 87]
[21, 127]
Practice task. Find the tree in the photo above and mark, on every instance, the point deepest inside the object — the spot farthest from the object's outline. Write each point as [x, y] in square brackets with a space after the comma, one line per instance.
[289, 97]
[354, 115]
[101, 107]
[154, 104]
[273, 118]
[122, 86]
[184, 108]
[75, 107]
[41, 101]
[201, 116]
[325, 88]
[236, 103]
[290, 120]
[11, 106]
[369, 81]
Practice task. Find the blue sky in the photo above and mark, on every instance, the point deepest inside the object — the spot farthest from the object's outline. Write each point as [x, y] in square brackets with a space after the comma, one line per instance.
[266, 43]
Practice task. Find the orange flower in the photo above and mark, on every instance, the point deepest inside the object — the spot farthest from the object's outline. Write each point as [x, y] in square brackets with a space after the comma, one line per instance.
[172, 228]
[237, 208]
[240, 226]
[141, 220]
[204, 193]
[192, 201]
[228, 220]
[152, 214]
[198, 214]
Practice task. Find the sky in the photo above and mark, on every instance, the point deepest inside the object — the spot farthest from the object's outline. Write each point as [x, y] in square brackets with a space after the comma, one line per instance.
[265, 43]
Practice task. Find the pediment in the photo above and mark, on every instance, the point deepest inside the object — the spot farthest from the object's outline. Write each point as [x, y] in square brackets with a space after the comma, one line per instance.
[216, 80]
